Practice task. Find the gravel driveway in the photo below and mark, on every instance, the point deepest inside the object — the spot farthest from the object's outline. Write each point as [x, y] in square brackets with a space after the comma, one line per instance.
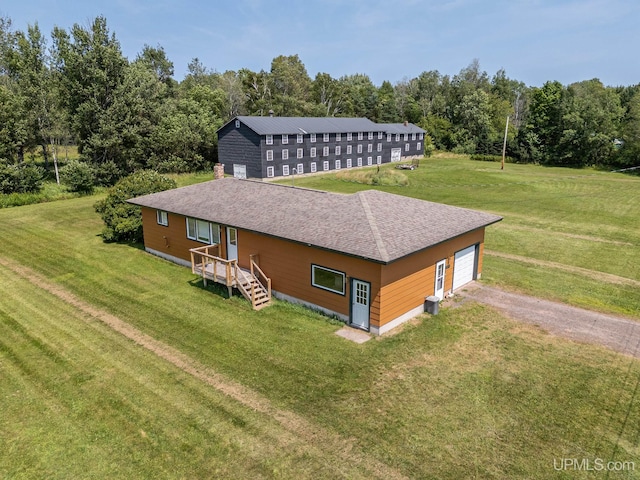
[617, 333]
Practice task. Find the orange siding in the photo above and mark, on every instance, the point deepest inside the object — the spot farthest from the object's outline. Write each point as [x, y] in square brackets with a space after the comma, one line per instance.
[406, 282]
[171, 239]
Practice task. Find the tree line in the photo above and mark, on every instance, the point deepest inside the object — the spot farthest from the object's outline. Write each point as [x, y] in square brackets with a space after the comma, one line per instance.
[78, 88]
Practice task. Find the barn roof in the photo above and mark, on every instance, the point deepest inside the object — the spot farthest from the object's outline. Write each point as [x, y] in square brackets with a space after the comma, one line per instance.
[306, 125]
[370, 224]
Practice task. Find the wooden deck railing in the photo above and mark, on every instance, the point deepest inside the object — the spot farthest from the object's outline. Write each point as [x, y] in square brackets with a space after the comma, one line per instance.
[204, 261]
[259, 275]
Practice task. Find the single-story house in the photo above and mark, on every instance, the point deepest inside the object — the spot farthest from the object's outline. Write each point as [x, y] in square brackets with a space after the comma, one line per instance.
[267, 147]
[369, 258]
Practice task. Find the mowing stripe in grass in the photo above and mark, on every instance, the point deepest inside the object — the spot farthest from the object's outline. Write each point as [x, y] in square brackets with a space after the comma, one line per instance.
[314, 435]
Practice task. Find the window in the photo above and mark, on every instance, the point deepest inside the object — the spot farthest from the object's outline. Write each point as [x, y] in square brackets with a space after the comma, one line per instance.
[325, 151]
[285, 139]
[359, 148]
[338, 137]
[300, 153]
[269, 155]
[285, 154]
[162, 217]
[397, 137]
[379, 147]
[370, 147]
[349, 163]
[379, 159]
[269, 172]
[338, 150]
[299, 138]
[314, 169]
[418, 146]
[202, 231]
[300, 169]
[338, 165]
[325, 137]
[369, 160]
[313, 138]
[349, 149]
[406, 137]
[370, 136]
[269, 139]
[359, 135]
[325, 165]
[237, 123]
[285, 169]
[420, 136]
[406, 147]
[413, 136]
[328, 279]
[379, 135]
[359, 161]
[388, 137]
[349, 136]
[312, 152]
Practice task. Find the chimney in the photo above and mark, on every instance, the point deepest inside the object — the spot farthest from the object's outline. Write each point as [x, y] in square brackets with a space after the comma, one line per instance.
[406, 124]
[271, 113]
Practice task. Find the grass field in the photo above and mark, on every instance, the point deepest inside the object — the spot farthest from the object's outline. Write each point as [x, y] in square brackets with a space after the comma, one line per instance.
[465, 394]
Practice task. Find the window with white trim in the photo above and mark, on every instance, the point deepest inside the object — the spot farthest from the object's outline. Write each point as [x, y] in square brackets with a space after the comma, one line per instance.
[328, 279]
[369, 160]
[202, 231]
[313, 166]
[388, 137]
[299, 138]
[269, 139]
[406, 137]
[418, 146]
[349, 163]
[300, 153]
[237, 123]
[370, 136]
[300, 169]
[359, 135]
[359, 148]
[338, 164]
[406, 147]
[285, 154]
[349, 136]
[269, 155]
[162, 218]
[349, 149]
[379, 159]
[270, 171]
[420, 136]
[312, 152]
[338, 150]
[338, 137]
[370, 147]
[379, 147]
[325, 165]
[285, 170]
[313, 138]
[325, 137]
[325, 151]
[413, 136]
[379, 135]
[397, 137]
[285, 139]
[359, 161]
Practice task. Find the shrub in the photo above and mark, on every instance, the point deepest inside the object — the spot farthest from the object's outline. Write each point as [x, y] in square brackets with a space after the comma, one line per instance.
[78, 176]
[22, 178]
[123, 221]
[386, 177]
[491, 158]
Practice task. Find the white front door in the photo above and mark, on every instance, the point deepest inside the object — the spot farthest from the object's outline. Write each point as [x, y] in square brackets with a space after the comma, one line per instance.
[464, 266]
[232, 243]
[360, 304]
[441, 266]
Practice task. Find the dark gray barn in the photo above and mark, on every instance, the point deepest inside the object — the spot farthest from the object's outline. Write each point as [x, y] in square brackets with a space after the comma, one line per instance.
[265, 147]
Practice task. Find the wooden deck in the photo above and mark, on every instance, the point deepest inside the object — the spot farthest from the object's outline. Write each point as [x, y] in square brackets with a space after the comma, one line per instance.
[254, 285]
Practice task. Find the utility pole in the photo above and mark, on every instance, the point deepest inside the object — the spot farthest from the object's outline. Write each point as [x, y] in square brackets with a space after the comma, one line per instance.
[504, 145]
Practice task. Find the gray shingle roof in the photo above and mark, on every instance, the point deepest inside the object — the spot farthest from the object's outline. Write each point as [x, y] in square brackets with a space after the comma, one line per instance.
[295, 125]
[400, 128]
[370, 224]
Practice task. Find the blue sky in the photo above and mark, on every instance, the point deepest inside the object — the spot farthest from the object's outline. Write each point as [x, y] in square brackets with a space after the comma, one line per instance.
[533, 40]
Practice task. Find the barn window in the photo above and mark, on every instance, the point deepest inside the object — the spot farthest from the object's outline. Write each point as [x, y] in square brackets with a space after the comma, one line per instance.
[269, 140]
[285, 139]
[299, 138]
[269, 155]
[328, 279]
[270, 172]
[313, 138]
[338, 137]
[285, 169]
[312, 152]
[325, 137]
[313, 167]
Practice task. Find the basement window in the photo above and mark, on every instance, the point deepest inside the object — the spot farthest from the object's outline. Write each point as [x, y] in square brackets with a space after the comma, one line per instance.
[328, 279]
[162, 217]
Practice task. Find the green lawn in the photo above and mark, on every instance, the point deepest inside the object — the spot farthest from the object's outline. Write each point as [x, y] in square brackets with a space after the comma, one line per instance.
[465, 394]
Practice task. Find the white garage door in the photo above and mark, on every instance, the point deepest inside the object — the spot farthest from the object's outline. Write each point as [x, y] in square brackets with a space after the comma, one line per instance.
[463, 266]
